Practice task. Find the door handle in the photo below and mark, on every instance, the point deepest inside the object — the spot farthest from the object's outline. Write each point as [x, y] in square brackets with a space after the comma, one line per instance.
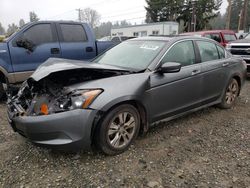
[225, 64]
[194, 72]
[55, 50]
[89, 49]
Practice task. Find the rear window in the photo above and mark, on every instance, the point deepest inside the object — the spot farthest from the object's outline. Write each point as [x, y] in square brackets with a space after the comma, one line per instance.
[208, 51]
[229, 37]
[221, 52]
[73, 33]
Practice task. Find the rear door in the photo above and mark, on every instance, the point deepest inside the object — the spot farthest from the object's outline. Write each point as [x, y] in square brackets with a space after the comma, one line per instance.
[75, 42]
[214, 70]
[43, 35]
[174, 93]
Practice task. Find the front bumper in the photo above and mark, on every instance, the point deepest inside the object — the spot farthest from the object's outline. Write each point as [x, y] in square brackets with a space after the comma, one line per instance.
[246, 58]
[69, 130]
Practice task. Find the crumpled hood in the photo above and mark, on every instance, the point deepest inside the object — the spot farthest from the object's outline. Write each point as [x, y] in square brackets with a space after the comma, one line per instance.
[53, 65]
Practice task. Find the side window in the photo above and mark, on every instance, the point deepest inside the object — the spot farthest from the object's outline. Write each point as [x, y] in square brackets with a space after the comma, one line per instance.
[216, 37]
[221, 52]
[39, 34]
[182, 52]
[208, 51]
[73, 33]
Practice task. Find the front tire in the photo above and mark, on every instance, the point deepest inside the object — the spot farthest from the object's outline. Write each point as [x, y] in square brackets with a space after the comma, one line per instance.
[118, 129]
[230, 95]
[2, 92]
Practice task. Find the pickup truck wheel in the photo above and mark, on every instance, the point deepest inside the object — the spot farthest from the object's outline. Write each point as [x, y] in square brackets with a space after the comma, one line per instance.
[118, 130]
[2, 92]
[230, 95]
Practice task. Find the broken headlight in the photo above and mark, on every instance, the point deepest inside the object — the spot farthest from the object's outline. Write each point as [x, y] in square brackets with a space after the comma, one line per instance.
[81, 99]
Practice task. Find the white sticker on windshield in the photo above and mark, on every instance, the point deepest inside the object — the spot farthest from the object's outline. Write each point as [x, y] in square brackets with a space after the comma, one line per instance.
[149, 47]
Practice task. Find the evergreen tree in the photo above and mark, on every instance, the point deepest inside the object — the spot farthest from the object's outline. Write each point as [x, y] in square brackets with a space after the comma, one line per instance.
[21, 23]
[2, 30]
[12, 28]
[163, 10]
[33, 17]
[181, 10]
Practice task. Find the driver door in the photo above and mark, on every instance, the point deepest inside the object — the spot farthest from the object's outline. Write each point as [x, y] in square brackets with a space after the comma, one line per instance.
[174, 93]
[43, 36]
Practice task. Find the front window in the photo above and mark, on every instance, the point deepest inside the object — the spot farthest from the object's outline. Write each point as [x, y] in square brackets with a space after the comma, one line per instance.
[39, 34]
[182, 52]
[135, 55]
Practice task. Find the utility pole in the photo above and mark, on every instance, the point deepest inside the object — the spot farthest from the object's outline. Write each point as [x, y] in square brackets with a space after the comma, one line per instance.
[79, 14]
[229, 13]
[194, 19]
[240, 24]
[245, 11]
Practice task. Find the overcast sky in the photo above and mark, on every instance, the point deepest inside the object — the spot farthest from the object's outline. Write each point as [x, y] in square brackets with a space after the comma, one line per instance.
[110, 10]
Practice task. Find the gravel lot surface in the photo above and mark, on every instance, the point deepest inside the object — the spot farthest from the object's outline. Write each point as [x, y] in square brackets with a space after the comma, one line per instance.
[209, 148]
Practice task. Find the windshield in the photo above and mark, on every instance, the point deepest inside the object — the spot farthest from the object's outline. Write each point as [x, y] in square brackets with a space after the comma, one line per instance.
[229, 37]
[132, 54]
[247, 37]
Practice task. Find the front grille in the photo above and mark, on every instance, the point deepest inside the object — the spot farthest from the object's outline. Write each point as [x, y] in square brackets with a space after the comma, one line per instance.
[240, 52]
[243, 47]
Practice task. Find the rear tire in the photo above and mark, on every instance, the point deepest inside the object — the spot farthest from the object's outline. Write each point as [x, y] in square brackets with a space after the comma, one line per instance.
[230, 95]
[118, 130]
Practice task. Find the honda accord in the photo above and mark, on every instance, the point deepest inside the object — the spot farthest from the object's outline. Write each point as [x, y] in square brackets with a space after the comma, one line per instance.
[69, 104]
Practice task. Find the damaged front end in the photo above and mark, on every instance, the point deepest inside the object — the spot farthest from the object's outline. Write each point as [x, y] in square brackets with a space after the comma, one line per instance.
[50, 109]
[53, 94]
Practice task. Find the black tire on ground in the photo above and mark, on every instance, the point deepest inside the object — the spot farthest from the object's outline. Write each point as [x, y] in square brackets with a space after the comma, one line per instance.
[2, 92]
[118, 130]
[230, 95]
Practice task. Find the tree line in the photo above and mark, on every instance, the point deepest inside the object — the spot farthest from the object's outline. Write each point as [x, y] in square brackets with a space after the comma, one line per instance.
[207, 14]
[14, 27]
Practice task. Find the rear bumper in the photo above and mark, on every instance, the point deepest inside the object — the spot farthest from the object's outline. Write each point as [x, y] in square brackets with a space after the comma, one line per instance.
[65, 131]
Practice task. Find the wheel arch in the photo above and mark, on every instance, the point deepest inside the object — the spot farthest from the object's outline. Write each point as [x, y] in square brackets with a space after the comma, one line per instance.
[144, 123]
[238, 79]
[3, 77]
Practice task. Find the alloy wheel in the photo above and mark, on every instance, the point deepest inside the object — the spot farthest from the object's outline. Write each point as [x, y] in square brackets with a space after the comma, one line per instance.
[232, 92]
[121, 130]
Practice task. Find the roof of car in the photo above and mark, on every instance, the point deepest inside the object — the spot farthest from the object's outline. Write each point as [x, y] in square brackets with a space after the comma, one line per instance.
[161, 38]
[209, 31]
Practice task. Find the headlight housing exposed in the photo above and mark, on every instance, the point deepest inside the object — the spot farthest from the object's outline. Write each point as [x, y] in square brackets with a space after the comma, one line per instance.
[81, 99]
[78, 99]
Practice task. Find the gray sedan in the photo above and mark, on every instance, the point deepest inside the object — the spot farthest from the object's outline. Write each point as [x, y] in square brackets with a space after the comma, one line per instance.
[69, 104]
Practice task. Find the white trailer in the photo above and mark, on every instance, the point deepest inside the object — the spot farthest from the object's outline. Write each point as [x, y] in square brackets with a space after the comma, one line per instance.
[158, 28]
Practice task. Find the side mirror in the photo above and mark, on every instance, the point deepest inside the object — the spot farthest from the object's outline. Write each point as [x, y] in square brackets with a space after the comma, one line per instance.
[170, 67]
[25, 43]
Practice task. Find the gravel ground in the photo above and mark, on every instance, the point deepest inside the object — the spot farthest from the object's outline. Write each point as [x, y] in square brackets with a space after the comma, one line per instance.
[209, 148]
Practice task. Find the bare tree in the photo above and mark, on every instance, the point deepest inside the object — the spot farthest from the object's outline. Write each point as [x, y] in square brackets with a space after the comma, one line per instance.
[90, 16]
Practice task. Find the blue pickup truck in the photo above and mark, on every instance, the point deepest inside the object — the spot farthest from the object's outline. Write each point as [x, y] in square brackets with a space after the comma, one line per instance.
[25, 50]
